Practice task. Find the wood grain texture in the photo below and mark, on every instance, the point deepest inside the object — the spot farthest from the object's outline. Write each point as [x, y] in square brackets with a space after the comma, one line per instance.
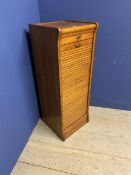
[67, 27]
[71, 47]
[76, 37]
[91, 67]
[45, 51]
[75, 73]
[100, 148]
[63, 57]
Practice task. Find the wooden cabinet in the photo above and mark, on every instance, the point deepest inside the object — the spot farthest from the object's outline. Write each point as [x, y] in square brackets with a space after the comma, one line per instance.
[63, 57]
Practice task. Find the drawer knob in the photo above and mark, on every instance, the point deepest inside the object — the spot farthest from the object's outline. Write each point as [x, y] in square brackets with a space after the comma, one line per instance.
[78, 36]
[77, 45]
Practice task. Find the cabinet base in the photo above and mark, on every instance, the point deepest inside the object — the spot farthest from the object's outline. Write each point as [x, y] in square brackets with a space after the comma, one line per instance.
[74, 126]
[69, 130]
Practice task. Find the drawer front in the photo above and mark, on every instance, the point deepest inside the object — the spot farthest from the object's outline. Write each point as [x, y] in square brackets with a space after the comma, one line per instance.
[75, 38]
[78, 44]
[75, 65]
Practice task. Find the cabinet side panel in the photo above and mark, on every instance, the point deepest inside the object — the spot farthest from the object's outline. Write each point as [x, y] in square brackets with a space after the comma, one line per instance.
[45, 52]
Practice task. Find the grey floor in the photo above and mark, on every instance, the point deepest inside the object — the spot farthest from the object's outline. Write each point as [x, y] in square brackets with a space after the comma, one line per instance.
[101, 147]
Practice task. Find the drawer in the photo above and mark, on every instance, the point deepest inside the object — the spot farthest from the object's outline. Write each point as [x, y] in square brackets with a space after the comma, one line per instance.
[75, 38]
[76, 45]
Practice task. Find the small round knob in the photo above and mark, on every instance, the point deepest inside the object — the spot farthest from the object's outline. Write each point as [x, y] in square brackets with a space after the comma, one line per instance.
[78, 36]
[77, 45]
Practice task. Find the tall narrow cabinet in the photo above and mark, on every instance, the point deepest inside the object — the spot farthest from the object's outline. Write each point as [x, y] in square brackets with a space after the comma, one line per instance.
[63, 53]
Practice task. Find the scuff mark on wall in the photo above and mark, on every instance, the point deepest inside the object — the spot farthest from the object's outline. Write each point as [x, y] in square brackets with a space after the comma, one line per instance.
[115, 60]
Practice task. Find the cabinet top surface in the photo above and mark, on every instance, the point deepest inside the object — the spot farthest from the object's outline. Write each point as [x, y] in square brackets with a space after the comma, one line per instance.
[65, 24]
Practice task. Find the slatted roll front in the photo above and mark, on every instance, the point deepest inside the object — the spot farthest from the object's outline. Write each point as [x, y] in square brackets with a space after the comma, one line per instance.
[75, 64]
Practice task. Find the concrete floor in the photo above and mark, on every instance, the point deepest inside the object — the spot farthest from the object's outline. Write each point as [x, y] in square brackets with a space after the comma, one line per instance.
[101, 147]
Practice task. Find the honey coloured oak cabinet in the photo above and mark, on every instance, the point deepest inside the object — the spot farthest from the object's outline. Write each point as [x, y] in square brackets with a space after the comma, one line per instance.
[63, 54]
